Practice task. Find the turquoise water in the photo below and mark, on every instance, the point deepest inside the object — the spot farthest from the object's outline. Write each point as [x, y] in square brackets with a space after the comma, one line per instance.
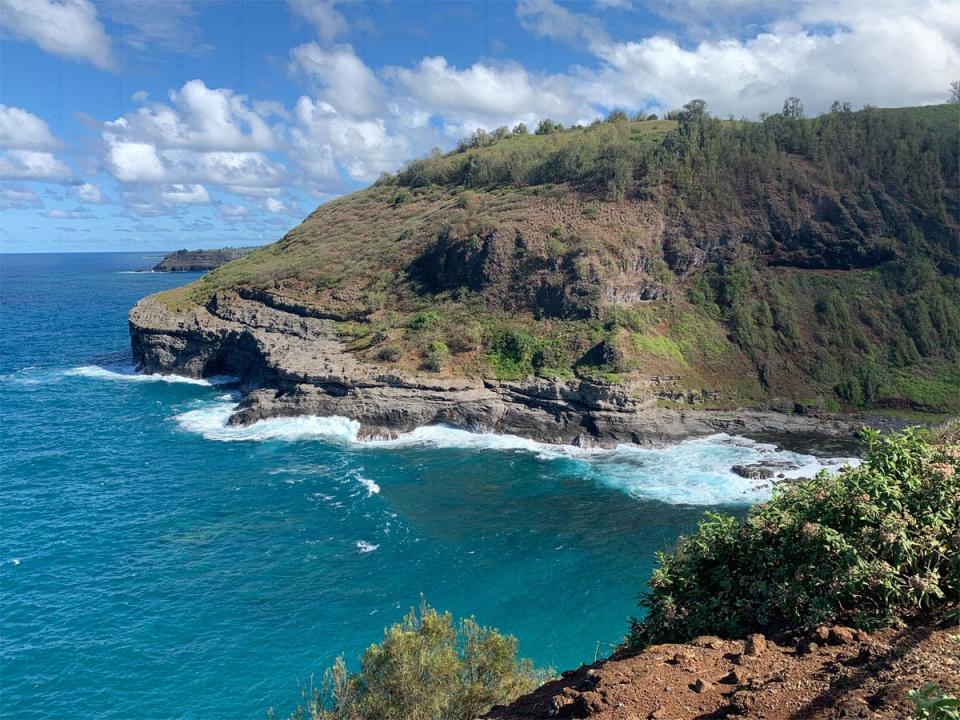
[156, 564]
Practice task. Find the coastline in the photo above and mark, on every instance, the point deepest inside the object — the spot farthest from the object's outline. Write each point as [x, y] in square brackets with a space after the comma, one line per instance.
[292, 364]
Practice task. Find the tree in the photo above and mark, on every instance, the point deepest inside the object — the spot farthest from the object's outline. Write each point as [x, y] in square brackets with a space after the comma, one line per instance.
[548, 126]
[792, 107]
[426, 668]
[955, 92]
[618, 116]
[520, 129]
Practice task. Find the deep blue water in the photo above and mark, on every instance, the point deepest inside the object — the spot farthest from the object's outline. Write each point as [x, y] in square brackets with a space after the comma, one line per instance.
[155, 564]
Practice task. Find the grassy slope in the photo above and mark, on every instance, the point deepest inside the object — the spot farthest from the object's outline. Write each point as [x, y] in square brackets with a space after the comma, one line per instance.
[514, 259]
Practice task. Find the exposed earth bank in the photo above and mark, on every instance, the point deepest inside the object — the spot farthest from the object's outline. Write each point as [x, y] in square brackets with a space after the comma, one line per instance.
[832, 673]
[291, 362]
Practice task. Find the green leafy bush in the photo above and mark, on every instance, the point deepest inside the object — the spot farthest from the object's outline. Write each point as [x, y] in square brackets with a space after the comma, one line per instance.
[437, 353]
[933, 703]
[424, 320]
[426, 668]
[865, 547]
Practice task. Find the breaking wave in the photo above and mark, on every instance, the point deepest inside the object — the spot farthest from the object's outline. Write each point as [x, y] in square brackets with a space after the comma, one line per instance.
[693, 472]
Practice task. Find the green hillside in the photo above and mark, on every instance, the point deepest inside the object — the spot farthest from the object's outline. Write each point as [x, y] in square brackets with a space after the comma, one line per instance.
[814, 260]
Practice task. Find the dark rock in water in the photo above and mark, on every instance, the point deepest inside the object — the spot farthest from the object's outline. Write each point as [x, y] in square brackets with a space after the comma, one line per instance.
[763, 470]
[200, 260]
[757, 471]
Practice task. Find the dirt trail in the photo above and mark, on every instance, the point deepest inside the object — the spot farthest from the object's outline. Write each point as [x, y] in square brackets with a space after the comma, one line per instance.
[834, 673]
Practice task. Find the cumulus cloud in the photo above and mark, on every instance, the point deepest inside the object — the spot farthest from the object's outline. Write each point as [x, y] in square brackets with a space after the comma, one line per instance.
[22, 130]
[792, 55]
[186, 194]
[279, 207]
[198, 118]
[32, 165]
[343, 79]
[203, 136]
[89, 193]
[69, 28]
[17, 195]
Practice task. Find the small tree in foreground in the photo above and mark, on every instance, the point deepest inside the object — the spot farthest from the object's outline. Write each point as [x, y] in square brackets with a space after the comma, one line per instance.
[426, 668]
[867, 546]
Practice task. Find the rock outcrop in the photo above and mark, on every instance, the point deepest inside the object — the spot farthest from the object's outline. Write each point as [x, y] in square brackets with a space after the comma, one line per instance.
[291, 362]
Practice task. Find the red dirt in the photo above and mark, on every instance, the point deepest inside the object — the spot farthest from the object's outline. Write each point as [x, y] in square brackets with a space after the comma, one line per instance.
[843, 674]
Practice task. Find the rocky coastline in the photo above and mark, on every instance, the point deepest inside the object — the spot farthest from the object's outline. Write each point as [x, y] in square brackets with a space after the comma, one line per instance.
[290, 362]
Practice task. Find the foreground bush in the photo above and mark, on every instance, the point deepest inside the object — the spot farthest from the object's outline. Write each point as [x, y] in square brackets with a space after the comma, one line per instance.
[425, 669]
[863, 547]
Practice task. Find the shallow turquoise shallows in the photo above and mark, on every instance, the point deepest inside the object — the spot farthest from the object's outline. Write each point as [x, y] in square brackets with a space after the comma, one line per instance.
[156, 564]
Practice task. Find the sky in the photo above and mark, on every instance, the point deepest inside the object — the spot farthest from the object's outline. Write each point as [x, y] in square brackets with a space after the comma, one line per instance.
[162, 124]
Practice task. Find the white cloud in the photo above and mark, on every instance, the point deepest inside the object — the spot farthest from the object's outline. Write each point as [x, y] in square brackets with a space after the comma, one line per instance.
[883, 52]
[323, 139]
[68, 27]
[16, 195]
[89, 193]
[22, 130]
[323, 15]
[78, 213]
[232, 212]
[32, 165]
[200, 118]
[165, 24]
[547, 19]
[485, 95]
[278, 207]
[140, 96]
[204, 136]
[186, 194]
[343, 79]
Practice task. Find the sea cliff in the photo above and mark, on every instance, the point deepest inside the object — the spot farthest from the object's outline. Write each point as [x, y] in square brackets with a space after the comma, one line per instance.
[292, 362]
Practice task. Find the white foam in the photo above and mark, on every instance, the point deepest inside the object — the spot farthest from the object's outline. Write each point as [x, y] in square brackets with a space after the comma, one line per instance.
[693, 472]
[370, 485]
[128, 373]
[211, 422]
[445, 436]
[365, 547]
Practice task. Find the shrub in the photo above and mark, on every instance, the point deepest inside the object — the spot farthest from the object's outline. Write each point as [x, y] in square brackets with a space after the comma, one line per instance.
[865, 547]
[389, 353]
[426, 668]
[510, 352]
[425, 320]
[436, 356]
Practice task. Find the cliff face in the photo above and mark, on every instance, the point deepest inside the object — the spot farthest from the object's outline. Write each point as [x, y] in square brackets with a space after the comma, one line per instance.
[199, 260]
[293, 363]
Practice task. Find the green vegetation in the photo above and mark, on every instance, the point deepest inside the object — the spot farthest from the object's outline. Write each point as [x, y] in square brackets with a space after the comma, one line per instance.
[791, 257]
[426, 668]
[934, 703]
[867, 547]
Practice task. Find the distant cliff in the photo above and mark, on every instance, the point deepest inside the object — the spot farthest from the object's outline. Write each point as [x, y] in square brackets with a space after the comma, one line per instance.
[199, 260]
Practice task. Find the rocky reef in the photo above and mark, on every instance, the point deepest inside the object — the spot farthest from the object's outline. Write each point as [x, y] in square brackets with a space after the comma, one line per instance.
[290, 362]
[199, 260]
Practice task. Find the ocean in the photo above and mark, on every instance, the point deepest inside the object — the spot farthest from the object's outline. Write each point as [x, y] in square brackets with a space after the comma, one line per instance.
[155, 563]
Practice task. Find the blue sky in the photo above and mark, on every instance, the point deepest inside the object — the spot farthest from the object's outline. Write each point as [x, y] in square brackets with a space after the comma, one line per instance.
[160, 124]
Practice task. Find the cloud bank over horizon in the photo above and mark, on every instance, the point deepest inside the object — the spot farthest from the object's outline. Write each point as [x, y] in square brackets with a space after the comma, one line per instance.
[358, 95]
